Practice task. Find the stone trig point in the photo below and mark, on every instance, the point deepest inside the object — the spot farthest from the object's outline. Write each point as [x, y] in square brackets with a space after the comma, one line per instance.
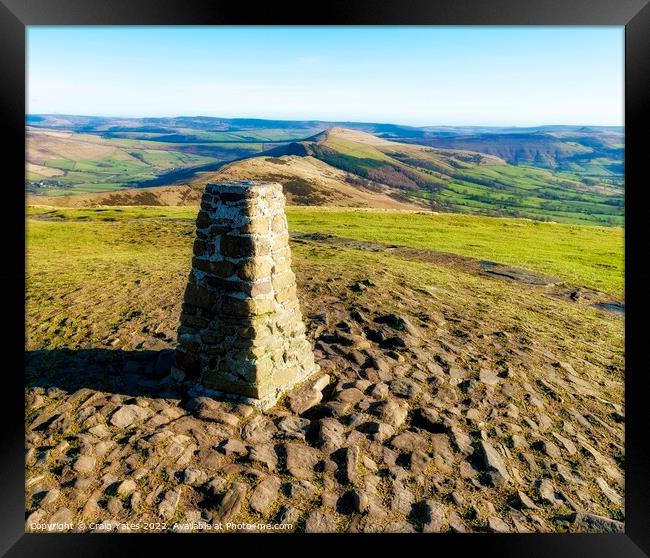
[241, 333]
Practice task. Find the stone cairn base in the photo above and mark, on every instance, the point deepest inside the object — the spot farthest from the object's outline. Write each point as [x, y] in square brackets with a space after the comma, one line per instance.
[241, 334]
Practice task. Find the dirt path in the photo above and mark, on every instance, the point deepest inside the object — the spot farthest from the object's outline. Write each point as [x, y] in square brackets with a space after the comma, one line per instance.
[436, 418]
[552, 286]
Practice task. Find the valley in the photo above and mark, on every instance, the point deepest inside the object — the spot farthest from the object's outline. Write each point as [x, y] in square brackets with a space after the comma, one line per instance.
[338, 166]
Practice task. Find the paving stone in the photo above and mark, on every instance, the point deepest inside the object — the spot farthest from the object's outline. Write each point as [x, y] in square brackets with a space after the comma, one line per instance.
[265, 494]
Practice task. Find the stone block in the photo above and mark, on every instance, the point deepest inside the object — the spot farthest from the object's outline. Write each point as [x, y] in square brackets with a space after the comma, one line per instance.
[233, 306]
[254, 268]
[203, 219]
[199, 297]
[281, 281]
[217, 268]
[260, 225]
[279, 223]
[234, 246]
[186, 362]
[286, 294]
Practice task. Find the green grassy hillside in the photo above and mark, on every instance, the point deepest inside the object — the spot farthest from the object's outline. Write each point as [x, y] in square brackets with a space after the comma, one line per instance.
[62, 163]
[78, 156]
[591, 154]
[581, 255]
[465, 181]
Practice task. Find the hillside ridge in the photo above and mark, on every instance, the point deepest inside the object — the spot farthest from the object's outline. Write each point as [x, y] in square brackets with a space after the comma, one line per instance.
[352, 168]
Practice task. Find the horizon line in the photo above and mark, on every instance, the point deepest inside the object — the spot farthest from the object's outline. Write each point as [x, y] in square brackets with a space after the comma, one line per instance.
[328, 121]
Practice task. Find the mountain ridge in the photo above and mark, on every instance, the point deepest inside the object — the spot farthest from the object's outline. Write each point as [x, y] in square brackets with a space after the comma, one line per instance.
[590, 152]
[352, 168]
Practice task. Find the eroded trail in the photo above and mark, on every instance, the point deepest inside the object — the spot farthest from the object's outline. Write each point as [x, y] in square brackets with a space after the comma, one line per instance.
[458, 400]
[552, 286]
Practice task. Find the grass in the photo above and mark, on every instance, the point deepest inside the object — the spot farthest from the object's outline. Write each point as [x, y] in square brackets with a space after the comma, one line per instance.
[89, 269]
[113, 212]
[90, 280]
[110, 277]
[472, 183]
[354, 148]
[582, 255]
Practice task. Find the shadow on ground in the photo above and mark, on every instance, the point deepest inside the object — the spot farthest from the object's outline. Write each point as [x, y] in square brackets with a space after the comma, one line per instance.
[132, 373]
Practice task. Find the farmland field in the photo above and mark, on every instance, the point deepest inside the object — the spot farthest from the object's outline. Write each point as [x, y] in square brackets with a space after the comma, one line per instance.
[63, 163]
[472, 182]
[549, 174]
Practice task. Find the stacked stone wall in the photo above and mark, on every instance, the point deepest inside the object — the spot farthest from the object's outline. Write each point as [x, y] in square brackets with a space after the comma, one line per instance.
[241, 332]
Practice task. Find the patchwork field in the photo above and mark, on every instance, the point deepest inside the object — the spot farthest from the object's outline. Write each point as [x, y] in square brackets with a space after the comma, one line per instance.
[548, 174]
[593, 154]
[500, 410]
[64, 163]
[466, 181]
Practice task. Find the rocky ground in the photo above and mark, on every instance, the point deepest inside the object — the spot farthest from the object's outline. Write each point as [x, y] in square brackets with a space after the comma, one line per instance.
[428, 416]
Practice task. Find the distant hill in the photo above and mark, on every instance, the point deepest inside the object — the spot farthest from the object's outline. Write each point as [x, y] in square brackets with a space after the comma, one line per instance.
[305, 180]
[72, 162]
[463, 181]
[113, 126]
[350, 168]
[594, 154]
[177, 195]
[309, 181]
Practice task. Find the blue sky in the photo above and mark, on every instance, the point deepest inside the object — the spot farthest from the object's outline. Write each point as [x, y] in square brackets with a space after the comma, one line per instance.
[510, 76]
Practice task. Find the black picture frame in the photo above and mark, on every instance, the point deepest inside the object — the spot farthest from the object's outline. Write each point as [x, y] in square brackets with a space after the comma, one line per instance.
[15, 15]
